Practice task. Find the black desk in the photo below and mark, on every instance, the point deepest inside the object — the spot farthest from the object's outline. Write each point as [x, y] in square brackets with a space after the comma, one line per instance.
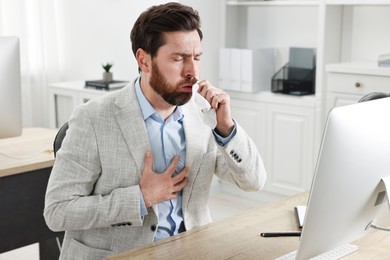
[23, 182]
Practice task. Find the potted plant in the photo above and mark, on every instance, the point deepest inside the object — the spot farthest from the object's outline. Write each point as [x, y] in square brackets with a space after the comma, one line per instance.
[107, 75]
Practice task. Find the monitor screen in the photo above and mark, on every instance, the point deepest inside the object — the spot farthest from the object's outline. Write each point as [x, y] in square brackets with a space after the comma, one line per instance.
[347, 193]
[10, 88]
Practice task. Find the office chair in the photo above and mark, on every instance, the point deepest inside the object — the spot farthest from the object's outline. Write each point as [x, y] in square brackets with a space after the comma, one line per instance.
[56, 146]
[373, 96]
[60, 137]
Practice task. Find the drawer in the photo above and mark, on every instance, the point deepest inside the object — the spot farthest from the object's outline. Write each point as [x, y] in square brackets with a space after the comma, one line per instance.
[357, 84]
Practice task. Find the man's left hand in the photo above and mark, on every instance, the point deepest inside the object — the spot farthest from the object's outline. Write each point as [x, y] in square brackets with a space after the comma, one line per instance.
[220, 101]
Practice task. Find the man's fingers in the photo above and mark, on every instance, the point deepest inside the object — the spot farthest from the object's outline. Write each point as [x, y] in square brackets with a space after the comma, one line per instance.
[212, 94]
[148, 160]
[179, 185]
[172, 167]
[180, 176]
[148, 167]
[180, 180]
[157, 187]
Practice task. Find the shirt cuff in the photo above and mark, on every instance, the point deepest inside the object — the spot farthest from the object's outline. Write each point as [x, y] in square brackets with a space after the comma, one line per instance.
[222, 141]
[144, 210]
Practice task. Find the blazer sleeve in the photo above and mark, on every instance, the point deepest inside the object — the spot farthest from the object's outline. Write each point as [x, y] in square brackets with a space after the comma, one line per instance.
[240, 163]
[71, 203]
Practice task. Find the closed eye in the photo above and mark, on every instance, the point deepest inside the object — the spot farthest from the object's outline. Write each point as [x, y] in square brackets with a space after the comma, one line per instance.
[182, 56]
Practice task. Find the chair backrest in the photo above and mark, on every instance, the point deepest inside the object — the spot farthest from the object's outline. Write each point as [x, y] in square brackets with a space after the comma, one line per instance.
[59, 138]
[373, 96]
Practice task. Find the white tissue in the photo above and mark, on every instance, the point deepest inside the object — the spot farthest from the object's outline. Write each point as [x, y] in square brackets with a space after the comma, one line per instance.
[209, 116]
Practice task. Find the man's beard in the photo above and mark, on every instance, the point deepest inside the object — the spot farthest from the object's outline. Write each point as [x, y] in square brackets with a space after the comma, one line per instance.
[168, 92]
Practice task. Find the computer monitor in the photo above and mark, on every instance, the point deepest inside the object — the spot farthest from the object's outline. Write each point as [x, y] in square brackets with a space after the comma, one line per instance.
[10, 88]
[347, 193]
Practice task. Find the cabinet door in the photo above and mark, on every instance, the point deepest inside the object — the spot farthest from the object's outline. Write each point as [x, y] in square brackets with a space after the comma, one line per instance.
[348, 88]
[84, 97]
[251, 116]
[64, 97]
[290, 148]
[62, 103]
[340, 99]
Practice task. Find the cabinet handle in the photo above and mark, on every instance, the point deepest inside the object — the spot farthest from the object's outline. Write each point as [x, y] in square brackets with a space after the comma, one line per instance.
[357, 84]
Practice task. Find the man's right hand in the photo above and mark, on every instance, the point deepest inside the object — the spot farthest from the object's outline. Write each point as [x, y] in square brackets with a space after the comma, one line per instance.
[158, 187]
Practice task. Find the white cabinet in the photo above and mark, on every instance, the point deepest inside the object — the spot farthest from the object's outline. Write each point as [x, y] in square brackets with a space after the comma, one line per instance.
[251, 115]
[340, 30]
[355, 34]
[349, 82]
[283, 129]
[269, 26]
[289, 148]
[288, 129]
[64, 97]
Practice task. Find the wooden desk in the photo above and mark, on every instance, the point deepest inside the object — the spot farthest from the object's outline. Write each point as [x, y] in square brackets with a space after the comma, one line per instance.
[25, 165]
[238, 238]
[32, 150]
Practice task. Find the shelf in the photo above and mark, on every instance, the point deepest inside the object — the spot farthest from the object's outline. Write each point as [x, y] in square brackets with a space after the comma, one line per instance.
[363, 68]
[307, 2]
[79, 86]
[357, 2]
[274, 3]
[308, 101]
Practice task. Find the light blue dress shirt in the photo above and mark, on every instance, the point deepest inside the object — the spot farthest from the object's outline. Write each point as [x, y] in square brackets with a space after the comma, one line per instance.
[167, 139]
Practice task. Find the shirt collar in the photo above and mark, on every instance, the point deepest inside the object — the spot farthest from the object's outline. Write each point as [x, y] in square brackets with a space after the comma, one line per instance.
[148, 110]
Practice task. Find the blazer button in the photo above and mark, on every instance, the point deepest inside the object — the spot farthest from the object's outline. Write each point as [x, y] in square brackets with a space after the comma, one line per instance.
[153, 228]
[128, 223]
[231, 151]
[239, 160]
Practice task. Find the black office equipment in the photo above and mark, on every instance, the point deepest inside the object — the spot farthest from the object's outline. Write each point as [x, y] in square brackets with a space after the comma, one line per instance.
[297, 77]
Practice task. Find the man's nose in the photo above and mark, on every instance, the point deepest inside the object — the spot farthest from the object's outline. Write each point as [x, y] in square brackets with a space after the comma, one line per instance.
[192, 68]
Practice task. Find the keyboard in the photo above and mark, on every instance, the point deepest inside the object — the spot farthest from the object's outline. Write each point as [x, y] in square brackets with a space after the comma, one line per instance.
[333, 254]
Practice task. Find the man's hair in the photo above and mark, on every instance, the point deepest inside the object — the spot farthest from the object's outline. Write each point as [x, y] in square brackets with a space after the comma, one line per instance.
[148, 30]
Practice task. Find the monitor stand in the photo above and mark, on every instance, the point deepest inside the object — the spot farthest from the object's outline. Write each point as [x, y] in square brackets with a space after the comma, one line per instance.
[300, 212]
[386, 182]
[379, 200]
[345, 249]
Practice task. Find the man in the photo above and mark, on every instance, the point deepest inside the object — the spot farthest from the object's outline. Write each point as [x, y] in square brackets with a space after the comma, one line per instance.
[136, 165]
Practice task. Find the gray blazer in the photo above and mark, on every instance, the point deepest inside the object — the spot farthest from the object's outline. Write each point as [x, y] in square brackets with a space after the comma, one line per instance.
[93, 193]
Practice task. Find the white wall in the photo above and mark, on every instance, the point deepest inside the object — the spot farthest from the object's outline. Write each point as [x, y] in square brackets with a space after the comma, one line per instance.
[97, 31]
[210, 15]
[364, 26]
[271, 32]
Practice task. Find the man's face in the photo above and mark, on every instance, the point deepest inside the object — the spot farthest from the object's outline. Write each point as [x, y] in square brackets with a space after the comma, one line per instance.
[175, 68]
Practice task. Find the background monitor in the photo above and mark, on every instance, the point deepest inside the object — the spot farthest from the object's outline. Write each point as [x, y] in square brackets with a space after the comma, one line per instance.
[10, 88]
[347, 193]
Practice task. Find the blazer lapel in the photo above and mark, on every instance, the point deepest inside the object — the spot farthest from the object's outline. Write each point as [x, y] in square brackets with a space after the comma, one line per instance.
[194, 147]
[132, 125]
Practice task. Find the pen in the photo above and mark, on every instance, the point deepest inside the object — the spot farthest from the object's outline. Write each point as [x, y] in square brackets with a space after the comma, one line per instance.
[281, 234]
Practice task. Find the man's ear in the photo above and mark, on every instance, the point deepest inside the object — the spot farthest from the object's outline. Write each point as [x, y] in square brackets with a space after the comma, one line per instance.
[144, 60]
